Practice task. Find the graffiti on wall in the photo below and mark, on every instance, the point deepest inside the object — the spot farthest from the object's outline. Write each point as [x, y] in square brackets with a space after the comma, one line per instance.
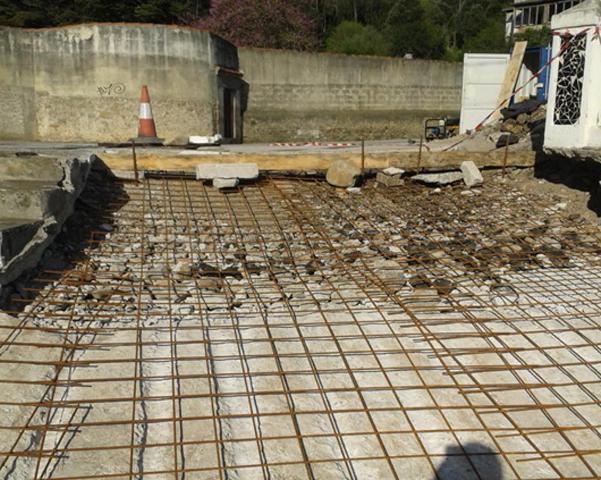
[111, 89]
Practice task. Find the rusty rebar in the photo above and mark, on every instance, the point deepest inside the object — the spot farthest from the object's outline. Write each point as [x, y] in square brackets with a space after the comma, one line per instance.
[372, 324]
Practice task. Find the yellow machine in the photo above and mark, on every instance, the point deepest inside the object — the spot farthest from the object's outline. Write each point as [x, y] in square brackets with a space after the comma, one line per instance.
[439, 128]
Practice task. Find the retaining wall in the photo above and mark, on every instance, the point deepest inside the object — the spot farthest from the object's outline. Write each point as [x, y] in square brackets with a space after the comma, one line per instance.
[295, 95]
[82, 83]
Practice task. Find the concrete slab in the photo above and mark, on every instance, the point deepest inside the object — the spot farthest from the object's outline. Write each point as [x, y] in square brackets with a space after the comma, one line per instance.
[29, 199]
[38, 168]
[445, 178]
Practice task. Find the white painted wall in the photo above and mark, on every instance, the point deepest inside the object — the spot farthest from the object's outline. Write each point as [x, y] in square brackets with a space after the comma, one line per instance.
[483, 75]
[586, 133]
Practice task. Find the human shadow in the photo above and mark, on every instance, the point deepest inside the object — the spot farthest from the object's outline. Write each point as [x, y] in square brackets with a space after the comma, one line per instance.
[469, 461]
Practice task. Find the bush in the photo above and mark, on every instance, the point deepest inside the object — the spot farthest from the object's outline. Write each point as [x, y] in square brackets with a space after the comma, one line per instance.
[352, 38]
[536, 37]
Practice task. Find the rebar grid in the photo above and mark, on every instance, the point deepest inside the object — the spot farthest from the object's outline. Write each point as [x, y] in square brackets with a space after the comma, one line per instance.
[288, 330]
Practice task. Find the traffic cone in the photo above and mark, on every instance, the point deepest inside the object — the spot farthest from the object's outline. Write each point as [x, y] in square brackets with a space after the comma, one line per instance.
[147, 132]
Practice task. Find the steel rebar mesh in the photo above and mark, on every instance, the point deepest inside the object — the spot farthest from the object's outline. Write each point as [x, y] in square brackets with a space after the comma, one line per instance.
[287, 330]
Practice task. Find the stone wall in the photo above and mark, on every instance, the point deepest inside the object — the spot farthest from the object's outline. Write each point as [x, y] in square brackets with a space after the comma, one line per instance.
[82, 83]
[305, 96]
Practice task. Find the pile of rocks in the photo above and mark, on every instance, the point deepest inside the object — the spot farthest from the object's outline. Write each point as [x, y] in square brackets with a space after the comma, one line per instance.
[524, 119]
[522, 127]
[469, 173]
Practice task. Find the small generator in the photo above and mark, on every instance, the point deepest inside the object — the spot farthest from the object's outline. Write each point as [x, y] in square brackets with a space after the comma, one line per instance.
[440, 128]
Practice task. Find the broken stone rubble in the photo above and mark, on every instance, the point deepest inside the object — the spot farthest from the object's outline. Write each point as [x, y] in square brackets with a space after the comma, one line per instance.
[445, 178]
[225, 182]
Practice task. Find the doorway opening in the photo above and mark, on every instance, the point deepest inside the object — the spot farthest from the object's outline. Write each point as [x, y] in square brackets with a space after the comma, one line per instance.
[229, 112]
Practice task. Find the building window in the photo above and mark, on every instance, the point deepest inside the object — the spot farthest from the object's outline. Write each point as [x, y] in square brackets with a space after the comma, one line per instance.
[570, 75]
[530, 16]
[559, 7]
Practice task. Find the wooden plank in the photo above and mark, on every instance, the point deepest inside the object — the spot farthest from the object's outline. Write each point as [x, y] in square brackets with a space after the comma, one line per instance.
[511, 77]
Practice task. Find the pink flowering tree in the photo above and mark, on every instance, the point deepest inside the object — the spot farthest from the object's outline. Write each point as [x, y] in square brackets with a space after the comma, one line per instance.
[283, 24]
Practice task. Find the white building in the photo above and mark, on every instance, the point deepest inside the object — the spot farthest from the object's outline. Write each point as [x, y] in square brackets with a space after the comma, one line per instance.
[573, 125]
[525, 14]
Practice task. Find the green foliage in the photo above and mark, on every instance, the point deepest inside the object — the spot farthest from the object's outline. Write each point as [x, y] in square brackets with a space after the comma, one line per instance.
[536, 37]
[425, 28]
[47, 13]
[468, 25]
[352, 38]
[490, 39]
[410, 31]
[453, 54]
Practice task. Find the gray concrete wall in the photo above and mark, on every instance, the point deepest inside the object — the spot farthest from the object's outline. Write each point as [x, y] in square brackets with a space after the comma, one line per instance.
[295, 95]
[82, 83]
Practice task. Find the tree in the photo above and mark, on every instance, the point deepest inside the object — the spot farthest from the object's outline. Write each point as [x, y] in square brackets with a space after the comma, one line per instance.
[409, 31]
[352, 38]
[329, 13]
[490, 39]
[461, 20]
[44, 13]
[262, 23]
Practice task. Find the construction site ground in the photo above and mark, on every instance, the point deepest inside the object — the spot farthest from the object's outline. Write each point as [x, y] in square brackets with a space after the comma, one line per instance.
[285, 329]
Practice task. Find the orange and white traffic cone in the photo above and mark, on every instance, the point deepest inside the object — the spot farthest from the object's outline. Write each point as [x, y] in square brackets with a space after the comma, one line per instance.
[147, 132]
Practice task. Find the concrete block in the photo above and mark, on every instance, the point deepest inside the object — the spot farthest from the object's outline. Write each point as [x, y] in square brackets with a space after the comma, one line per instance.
[389, 180]
[225, 182]
[471, 174]
[209, 171]
[342, 174]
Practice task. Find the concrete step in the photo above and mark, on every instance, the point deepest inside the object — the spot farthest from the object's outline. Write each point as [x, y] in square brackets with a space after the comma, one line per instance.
[15, 235]
[38, 167]
[32, 199]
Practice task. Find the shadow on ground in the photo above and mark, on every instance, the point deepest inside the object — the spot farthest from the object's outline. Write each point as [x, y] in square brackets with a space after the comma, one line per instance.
[582, 175]
[91, 220]
[456, 465]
